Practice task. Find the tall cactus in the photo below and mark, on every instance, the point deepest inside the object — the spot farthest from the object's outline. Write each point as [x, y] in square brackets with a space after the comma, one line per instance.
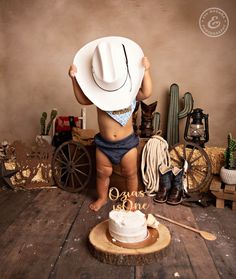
[45, 129]
[52, 117]
[174, 114]
[43, 123]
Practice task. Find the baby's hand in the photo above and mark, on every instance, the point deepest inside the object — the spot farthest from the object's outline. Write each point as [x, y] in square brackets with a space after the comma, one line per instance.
[72, 71]
[146, 63]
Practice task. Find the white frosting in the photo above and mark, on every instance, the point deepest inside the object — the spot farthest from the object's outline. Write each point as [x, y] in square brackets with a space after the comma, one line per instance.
[127, 226]
[152, 221]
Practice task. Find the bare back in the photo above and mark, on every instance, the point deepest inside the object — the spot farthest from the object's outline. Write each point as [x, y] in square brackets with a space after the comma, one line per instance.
[112, 130]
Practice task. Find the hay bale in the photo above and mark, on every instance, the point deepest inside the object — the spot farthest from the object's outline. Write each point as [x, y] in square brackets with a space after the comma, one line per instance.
[216, 156]
[83, 136]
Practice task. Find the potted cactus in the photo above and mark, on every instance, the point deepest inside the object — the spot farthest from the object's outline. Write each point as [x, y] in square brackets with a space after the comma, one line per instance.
[45, 128]
[228, 171]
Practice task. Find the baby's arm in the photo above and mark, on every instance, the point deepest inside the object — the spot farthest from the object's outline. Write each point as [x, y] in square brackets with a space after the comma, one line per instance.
[79, 94]
[146, 89]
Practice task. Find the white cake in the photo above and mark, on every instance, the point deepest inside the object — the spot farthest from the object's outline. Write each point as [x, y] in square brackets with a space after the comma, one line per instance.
[128, 226]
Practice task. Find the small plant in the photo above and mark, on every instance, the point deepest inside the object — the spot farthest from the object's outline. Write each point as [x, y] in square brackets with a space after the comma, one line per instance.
[230, 157]
[45, 129]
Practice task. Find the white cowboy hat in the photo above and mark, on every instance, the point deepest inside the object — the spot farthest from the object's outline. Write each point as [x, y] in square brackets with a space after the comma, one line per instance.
[110, 72]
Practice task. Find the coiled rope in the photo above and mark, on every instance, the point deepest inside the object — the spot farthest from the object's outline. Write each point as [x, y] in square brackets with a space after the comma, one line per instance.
[154, 154]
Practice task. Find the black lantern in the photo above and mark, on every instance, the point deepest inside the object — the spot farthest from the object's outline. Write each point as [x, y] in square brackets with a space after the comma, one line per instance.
[196, 129]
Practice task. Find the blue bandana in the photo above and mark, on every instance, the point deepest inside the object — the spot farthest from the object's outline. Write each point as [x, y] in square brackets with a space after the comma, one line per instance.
[122, 116]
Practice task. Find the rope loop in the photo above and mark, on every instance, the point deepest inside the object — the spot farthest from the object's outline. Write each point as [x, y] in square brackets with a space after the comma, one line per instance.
[155, 153]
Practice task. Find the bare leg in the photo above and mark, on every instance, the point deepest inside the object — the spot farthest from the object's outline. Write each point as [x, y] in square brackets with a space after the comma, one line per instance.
[104, 171]
[129, 172]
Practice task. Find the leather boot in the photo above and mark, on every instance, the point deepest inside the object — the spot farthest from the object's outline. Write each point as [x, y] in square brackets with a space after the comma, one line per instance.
[165, 180]
[147, 119]
[176, 193]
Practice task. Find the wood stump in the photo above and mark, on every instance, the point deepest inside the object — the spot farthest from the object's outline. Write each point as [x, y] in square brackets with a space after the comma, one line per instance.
[105, 251]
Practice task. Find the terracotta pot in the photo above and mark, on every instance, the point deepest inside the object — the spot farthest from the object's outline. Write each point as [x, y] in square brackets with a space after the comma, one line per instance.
[228, 176]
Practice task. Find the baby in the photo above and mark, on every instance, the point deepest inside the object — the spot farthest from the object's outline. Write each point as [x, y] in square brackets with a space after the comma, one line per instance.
[116, 142]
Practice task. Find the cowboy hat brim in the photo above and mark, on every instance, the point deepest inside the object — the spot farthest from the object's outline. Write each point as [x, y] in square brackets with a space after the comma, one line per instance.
[114, 100]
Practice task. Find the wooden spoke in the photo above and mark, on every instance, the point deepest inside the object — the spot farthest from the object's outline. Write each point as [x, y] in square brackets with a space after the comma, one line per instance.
[82, 165]
[61, 161]
[77, 177]
[83, 173]
[191, 154]
[203, 173]
[199, 166]
[83, 154]
[62, 174]
[63, 154]
[196, 159]
[193, 178]
[69, 152]
[67, 178]
[75, 152]
[72, 180]
[177, 153]
[175, 160]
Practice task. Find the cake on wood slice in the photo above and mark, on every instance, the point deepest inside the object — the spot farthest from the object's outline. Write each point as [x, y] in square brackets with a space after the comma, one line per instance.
[128, 226]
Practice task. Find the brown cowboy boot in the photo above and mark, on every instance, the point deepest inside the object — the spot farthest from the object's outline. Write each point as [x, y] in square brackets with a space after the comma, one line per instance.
[176, 192]
[147, 119]
[164, 184]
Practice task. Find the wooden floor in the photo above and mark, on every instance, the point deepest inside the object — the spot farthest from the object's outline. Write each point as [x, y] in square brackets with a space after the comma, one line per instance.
[44, 235]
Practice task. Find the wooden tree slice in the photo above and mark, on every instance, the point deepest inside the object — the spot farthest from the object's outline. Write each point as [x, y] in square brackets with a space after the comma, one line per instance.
[105, 251]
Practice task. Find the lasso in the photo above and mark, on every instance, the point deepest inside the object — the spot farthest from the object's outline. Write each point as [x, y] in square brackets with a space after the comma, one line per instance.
[155, 153]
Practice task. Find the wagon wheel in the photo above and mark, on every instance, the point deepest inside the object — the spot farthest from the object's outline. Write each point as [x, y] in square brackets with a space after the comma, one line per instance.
[198, 164]
[71, 166]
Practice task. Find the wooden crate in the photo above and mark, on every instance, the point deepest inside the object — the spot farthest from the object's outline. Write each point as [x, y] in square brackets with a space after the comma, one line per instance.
[223, 192]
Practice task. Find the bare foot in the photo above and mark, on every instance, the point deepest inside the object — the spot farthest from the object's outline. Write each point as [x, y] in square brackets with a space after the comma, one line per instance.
[95, 206]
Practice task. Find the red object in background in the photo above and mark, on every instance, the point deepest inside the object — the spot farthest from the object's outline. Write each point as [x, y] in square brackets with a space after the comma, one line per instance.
[65, 123]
